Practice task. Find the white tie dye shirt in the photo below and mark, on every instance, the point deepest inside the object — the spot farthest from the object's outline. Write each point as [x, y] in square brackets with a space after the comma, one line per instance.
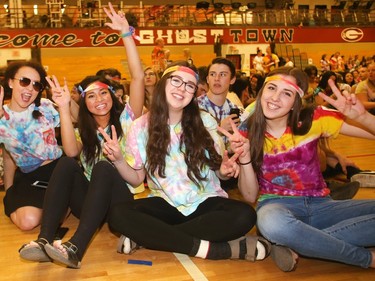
[31, 141]
[177, 189]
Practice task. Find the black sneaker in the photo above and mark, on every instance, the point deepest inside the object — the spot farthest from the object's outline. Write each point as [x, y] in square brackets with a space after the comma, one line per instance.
[343, 190]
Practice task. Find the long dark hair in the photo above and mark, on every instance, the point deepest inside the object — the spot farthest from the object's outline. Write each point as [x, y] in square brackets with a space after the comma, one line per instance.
[87, 125]
[299, 119]
[12, 70]
[196, 143]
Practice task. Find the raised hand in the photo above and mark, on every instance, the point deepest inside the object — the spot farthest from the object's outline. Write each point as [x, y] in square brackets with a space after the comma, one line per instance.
[346, 103]
[238, 143]
[118, 20]
[229, 167]
[111, 148]
[60, 95]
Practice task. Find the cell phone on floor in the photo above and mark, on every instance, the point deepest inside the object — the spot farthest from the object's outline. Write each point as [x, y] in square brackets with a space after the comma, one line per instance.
[40, 184]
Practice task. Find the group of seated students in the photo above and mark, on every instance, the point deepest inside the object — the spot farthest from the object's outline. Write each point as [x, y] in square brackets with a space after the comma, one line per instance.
[187, 147]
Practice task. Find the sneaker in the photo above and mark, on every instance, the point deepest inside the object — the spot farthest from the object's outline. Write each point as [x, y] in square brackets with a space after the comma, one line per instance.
[365, 178]
[343, 190]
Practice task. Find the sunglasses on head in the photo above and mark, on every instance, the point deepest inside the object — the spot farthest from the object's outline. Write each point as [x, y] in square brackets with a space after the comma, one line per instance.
[24, 82]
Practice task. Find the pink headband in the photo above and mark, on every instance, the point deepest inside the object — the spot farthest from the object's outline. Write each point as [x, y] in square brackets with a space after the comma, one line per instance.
[181, 68]
[93, 86]
[293, 85]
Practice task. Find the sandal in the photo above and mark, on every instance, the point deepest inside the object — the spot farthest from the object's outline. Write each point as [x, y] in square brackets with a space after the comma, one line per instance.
[249, 246]
[69, 258]
[35, 252]
[126, 246]
[284, 258]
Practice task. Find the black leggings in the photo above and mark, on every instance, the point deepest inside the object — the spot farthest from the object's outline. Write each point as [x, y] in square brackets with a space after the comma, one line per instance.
[89, 201]
[155, 224]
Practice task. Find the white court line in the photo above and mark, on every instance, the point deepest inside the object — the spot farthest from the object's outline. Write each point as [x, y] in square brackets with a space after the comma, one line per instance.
[190, 267]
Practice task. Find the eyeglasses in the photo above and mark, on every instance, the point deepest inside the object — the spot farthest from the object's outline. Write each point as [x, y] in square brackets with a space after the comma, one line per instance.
[176, 81]
[24, 82]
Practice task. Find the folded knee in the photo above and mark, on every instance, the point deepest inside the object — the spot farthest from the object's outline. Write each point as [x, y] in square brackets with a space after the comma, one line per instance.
[272, 222]
[25, 222]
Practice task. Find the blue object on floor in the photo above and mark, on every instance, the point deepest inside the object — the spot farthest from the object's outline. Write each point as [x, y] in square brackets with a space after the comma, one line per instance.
[141, 262]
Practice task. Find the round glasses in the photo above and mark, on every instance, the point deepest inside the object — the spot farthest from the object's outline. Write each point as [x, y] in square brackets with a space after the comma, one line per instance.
[24, 82]
[176, 81]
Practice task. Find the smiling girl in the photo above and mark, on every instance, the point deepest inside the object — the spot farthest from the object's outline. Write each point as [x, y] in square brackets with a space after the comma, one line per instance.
[91, 186]
[294, 208]
[177, 146]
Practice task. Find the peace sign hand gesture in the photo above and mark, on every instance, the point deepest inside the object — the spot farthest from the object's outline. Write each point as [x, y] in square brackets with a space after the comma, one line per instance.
[238, 143]
[346, 103]
[111, 148]
[229, 167]
[60, 95]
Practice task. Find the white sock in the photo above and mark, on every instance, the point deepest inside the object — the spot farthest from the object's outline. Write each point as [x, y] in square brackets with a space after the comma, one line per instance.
[261, 251]
[203, 249]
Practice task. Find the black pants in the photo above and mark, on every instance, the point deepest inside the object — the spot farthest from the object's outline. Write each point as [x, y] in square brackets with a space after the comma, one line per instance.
[155, 224]
[89, 201]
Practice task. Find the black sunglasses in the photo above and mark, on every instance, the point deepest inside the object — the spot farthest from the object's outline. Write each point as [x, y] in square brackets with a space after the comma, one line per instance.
[24, 82]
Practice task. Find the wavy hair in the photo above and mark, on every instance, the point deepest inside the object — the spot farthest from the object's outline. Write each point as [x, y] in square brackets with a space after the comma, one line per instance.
[299, 119]
[87, 125]
[11, 72]
[196, 143]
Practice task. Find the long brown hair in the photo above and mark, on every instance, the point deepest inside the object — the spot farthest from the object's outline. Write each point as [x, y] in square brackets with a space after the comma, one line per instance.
[299, 119]
[196, 143]
[87, 125]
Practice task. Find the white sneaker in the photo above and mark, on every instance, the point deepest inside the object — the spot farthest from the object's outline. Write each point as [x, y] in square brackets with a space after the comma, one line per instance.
[365, 178]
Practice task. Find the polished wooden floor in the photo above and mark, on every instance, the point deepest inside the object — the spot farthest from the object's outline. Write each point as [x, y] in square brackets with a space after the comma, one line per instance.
[101, 261]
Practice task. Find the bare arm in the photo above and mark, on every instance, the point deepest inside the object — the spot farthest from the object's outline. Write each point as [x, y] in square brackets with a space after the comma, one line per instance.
[137, 89]
[247, 181]
[61, 96]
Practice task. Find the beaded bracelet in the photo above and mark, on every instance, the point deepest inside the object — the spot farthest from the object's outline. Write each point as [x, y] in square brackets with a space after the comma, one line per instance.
[127, 34]
[243, 164]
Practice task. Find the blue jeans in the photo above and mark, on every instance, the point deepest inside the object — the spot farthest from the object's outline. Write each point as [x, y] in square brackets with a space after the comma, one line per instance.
[321, 227]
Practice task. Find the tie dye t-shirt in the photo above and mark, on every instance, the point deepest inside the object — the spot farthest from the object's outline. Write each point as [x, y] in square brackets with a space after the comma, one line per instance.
[30, 141]
[291, 165]
[126, 117]
[176, 188]
[218, 112]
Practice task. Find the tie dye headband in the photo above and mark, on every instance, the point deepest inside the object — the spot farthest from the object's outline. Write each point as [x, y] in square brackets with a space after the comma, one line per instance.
[93, 86]
[293, 85]
[181, 68]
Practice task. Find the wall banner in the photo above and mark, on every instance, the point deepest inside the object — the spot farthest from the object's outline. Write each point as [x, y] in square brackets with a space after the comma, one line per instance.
[102, 37]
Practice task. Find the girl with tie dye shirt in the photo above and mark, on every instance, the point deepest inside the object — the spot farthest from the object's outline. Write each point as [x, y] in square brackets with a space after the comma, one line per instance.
[89, 190]
[295, 211]
[180, 150]
[27, 130]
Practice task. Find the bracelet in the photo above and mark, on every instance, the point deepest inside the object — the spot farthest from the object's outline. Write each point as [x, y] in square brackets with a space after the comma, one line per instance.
[243, 164]
[127, 34]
